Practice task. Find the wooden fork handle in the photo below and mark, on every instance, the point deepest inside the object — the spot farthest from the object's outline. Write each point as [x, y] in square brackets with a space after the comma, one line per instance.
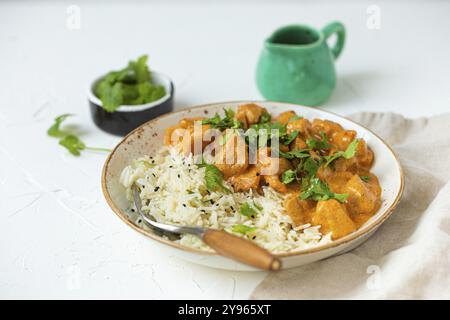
[241, 250]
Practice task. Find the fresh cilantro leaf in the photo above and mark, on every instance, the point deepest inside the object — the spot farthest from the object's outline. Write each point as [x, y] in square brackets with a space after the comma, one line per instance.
[241, 228]
[351, 149]
[263, 133]
[73, 144]
[315, 144]
[341, 197]
[293, 118]
[248, 210]
[288, 139]
[265, 118]
[140, 68]
[54, 130]
[310, 166]
[347, 154]
[318, 190]
[228, 122]
[69, 141]
[213, 178]
[288, 176]
[112, 96]
[295, 154]
[365, 178]
[229, 113]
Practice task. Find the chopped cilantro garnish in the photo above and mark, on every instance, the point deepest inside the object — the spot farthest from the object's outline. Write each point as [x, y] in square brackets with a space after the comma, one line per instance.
[227, 122]
[315, 144]
[130, 86]
[286, 140]
[294, 154]
[318, 190]
[248, 210]
[265, 118]
[241, 228]
[288, 176]
[347, 154]
[213, 178]
[293, 118]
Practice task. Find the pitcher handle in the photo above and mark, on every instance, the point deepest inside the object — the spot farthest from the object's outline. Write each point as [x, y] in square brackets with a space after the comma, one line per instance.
[339, 29]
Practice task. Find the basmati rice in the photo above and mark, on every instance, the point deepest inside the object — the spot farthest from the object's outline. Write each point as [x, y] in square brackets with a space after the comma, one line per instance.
[172, 190]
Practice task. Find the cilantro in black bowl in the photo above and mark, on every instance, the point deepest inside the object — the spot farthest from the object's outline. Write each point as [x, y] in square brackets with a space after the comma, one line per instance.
[122, 100]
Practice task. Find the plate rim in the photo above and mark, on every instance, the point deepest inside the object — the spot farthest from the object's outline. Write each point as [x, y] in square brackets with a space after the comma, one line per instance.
[320, 248]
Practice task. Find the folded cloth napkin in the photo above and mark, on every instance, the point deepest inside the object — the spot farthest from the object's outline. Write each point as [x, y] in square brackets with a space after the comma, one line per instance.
[409, 256]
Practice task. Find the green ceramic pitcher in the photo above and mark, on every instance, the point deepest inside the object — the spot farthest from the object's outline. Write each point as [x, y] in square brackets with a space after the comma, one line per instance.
[296, 64]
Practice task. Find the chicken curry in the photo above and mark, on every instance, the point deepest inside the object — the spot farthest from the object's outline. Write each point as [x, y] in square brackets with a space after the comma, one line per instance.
[322, 169]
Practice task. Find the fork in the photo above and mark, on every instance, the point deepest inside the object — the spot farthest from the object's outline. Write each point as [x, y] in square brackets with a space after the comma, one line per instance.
[222, 242]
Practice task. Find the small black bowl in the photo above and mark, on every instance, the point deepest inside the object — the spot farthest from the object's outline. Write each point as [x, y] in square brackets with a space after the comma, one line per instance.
[126, 118]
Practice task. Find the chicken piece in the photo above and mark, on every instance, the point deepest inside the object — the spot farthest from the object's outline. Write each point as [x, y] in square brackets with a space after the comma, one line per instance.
[283, 148]
[271, 165]
[326, 126]
[364, 198]
[342, 164]
[189, 122]
[170, 138]
[298, 144]
[240, 116]
[232, 157]
[302, 125]
[341, 139]
[332, 217]
[187, 137]
[250, 113]
[284, 117]
[271, 168]
[299, 210]
[274, 180]
[337, 180]
[250, 179]
[275, 183]
[364, 155]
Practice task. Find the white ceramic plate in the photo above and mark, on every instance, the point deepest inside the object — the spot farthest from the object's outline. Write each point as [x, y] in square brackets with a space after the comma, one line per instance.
[148, 138]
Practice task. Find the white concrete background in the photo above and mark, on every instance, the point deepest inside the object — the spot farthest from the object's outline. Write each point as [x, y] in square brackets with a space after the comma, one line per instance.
[58, 239]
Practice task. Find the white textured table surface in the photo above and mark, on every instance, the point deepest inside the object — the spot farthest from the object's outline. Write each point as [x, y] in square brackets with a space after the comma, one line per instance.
[58, 239]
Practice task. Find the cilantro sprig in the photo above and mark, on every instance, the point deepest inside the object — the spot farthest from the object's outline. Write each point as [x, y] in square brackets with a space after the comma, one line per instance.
[304, 153]
[315, 144]
[288, 176]
[347, 154]
[213, 178]
[227, 122]
[69, 141]
[317, 190]
[54, 130]
[249, 210]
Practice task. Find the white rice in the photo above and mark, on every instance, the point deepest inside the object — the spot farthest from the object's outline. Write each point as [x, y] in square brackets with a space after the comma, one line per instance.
[173, 191]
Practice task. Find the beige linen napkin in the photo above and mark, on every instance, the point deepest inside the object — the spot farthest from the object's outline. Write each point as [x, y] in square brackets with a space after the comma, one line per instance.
[409, 256]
